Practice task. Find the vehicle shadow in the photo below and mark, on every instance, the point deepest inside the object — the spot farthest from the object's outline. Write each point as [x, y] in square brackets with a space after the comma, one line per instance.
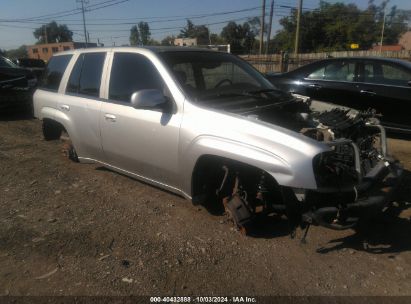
[14, 115]
[270, 227]
[389, 233]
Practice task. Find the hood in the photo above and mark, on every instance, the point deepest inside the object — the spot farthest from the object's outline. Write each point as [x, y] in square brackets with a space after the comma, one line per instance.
[278, 108]
[14, 77]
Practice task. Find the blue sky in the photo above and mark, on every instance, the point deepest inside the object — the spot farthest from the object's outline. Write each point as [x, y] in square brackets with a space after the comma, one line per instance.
[103, 23]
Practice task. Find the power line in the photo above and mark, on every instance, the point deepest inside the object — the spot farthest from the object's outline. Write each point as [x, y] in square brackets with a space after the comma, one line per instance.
[76, 11]
[148, 18]
[151, 29]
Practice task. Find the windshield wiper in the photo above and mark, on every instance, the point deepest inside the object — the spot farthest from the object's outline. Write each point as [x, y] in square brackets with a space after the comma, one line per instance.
[254, 94]
[261, 91]
[230, 94]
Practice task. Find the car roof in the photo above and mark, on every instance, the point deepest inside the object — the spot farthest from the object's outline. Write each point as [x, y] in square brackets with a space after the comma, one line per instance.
[155, 49]
[384, 59]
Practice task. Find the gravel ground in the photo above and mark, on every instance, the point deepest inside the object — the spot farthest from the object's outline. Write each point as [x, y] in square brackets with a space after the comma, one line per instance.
[75, 229]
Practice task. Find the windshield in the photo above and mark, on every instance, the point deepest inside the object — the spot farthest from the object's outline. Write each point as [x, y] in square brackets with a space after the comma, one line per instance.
[212, 76]
[7, 63]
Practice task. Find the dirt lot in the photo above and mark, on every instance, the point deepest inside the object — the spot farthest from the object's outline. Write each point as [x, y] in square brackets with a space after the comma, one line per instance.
[72, 229]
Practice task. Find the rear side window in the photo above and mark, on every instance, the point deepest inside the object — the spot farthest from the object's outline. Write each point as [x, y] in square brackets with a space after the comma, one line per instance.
[54, 72]
[130, 73]
[394, 75]
[385, 73]
[85, 78]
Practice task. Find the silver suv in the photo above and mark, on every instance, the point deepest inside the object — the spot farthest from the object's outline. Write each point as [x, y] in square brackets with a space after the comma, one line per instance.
[208, 126]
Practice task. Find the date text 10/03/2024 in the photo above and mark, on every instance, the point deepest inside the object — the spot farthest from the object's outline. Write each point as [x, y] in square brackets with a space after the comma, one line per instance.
[235, 299]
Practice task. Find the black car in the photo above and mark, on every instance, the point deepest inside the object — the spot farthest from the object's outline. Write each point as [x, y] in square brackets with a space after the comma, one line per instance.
[361, 83]
[16, 86]
[37, 66]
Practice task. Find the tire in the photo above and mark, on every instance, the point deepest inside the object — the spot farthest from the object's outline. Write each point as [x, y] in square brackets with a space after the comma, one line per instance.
[51, 130]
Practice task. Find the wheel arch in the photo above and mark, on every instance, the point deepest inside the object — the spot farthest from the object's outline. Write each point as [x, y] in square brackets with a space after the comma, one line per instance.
[209, 170]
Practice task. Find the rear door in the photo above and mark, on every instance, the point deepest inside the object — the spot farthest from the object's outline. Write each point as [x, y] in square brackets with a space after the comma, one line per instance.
[82, 104]
[384, 86]
[50, 88]
[143, 142]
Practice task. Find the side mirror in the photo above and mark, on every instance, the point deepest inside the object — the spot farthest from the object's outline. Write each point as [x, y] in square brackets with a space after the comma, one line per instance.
[409, 83]
[148, 99]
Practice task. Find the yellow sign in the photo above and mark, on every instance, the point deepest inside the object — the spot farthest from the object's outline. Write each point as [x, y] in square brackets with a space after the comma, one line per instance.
[355, 45]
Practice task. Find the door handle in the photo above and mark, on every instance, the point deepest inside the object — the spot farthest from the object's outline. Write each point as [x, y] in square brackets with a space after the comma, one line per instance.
[65, 108]
[110, 117]
[366, 92]
[314, 86]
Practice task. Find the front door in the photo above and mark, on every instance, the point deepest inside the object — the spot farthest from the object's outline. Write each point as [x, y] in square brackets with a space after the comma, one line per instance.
[334, 82]
[143, 142]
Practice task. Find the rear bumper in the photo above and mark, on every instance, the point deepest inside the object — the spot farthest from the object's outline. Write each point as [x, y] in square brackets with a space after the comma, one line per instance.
[371, 196]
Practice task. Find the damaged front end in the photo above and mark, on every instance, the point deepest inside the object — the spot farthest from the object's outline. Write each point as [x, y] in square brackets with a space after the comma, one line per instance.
[355, 178]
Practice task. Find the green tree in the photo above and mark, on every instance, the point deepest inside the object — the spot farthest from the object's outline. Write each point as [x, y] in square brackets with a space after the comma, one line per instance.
[395, 25]
[216, 39]
[134, 36]
[333, 27]
[153, 42]
[54, 32]
[240, 37]
[145, 33]
[167, 41]
[188, 30]
[20, 52]
[201, 32]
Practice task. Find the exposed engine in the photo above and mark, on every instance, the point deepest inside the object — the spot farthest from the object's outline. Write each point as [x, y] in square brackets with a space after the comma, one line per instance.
[356, 142]
[345, 175]
[356, 138]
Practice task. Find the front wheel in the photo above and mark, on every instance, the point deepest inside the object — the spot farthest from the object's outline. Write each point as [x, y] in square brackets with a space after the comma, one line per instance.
[51, 130]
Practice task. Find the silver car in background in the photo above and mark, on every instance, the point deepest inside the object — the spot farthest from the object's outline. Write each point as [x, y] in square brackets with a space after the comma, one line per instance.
[208, 126]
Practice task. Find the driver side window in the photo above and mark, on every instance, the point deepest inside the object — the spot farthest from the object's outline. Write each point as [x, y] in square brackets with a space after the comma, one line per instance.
[336, 71]
[132, 72]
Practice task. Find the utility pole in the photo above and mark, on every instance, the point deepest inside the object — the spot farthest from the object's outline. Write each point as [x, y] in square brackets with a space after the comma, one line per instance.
[297, 31]
[383, 26]
[46, 40]
[262, 28]
[84, 20]
[269, 27]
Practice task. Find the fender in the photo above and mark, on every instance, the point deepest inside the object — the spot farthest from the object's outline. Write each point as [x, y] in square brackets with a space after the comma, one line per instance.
[277, 167]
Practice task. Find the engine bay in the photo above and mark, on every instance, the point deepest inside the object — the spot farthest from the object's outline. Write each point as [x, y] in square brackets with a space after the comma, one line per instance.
[349, 176]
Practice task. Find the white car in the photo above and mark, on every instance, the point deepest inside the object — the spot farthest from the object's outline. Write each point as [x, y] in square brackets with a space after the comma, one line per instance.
[208, 126]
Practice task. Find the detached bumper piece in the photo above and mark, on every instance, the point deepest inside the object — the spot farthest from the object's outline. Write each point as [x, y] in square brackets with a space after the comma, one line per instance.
[372, 195]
